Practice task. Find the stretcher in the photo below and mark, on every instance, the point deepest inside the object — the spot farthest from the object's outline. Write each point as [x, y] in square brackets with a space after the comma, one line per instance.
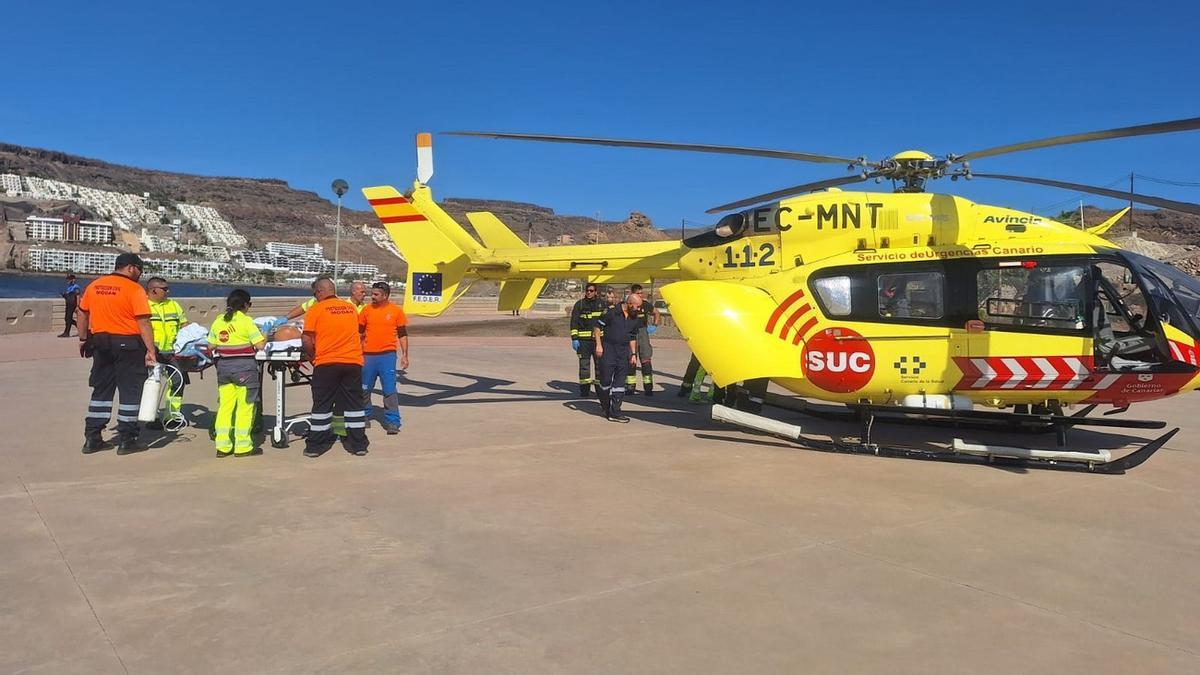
[287, 367]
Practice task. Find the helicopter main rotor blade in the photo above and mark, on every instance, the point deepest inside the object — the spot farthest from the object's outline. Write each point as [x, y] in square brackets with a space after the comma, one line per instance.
[788, 192]
[661, 145]
[1123, 132]
[1184, 207]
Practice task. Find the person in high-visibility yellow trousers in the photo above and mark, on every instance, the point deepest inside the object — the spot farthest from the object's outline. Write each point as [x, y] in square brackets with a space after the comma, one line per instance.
[166, 318]
[233, 340]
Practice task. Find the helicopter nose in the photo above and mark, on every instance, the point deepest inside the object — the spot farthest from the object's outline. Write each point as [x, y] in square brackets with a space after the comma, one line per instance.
[725, 327]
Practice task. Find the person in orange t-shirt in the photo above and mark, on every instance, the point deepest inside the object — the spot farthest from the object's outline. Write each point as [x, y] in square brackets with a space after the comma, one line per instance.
[383, 327]
[331, 340]
[114, 329]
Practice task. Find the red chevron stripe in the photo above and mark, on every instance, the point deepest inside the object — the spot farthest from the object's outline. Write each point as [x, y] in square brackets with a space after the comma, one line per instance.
[804, 309]
[783, 308]
[388, 200]
[803, 331]
[402, 219]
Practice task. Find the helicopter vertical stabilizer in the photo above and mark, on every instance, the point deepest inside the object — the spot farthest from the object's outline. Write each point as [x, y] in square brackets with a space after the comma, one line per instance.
[436, 262]
[515, 294]
[1100, 229]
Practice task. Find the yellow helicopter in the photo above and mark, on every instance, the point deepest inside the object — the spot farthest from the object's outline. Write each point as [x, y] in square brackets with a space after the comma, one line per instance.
[905, 307]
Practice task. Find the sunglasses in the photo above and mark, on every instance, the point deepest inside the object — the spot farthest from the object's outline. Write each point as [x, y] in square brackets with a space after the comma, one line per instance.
[590, 290]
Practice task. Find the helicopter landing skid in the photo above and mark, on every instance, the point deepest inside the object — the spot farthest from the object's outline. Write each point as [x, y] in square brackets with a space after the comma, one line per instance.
[866, 416]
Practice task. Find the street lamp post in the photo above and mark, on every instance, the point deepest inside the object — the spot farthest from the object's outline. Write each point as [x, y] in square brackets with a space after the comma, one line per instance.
[339, 188]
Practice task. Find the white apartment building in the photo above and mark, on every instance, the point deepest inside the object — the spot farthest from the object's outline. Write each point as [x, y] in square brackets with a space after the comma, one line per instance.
[173, 268]
[299, 250]
[80, 262]
[41, 228]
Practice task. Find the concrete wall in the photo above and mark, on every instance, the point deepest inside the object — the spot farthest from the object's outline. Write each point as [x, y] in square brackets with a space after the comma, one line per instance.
[46, 315]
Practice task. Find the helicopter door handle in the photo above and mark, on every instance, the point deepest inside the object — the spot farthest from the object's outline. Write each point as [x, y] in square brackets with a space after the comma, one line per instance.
[600, 263]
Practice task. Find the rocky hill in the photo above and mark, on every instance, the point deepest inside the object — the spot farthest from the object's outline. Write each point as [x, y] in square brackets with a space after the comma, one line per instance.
[268, 209]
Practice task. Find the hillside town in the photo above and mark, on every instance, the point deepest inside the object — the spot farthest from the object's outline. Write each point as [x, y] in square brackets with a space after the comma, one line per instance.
[179, 240]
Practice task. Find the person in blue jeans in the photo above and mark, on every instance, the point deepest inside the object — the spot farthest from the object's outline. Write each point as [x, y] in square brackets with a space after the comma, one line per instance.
[384, 327]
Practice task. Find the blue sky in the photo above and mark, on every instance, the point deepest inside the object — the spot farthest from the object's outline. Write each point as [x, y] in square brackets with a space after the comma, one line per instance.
[309, 92]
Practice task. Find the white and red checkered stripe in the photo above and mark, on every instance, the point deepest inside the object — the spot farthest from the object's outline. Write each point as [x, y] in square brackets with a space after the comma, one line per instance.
[1029, 372]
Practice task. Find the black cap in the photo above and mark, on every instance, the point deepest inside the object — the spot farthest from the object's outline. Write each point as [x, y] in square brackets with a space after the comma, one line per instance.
[126, 259]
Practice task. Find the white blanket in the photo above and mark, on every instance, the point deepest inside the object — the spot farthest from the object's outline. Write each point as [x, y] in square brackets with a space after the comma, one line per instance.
[283, 345]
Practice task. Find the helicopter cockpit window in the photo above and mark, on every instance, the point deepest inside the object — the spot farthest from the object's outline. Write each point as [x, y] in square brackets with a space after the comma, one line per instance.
[915, 295]
[835, 295]
[1174, 294]
[1034, 296]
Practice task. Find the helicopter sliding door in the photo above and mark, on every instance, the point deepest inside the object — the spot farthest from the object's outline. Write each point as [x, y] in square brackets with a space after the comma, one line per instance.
[1037, 336]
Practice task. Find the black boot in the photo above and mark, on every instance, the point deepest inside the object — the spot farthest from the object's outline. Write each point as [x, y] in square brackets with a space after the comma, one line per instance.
[648, 388]
[585, 390]
[129, 446]
[615, 413]
[95, 444]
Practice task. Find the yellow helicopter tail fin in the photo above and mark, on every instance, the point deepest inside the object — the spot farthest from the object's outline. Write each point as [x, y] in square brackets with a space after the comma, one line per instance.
[515, 294]
[1100, 229]
[493, 232]
[436, 263]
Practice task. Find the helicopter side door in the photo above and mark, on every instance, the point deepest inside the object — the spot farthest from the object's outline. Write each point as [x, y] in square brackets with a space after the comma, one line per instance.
[1037, 333]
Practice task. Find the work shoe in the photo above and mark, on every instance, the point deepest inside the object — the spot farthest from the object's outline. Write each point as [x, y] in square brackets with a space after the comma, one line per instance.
[223, 454]
[95, 445]
[391, 429]
[253, 453]
[359, 452]
[585, 390]
[313, 452]
[618, 417]
[649, 390]
[130, 446]
[156, 425]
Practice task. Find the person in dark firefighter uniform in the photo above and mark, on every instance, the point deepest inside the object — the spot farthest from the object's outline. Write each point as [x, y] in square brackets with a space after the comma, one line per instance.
[584, 314]
[615, 336]
[332, 341]
[648, 320]
[166, 318]
[233, 340]
[114, 330]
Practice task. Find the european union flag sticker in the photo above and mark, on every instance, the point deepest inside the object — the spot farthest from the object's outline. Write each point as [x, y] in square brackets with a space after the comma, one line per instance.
[427, 287]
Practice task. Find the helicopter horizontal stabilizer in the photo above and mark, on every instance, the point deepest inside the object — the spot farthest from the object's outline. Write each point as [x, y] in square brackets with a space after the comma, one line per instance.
[436, 263]
[1100, 229]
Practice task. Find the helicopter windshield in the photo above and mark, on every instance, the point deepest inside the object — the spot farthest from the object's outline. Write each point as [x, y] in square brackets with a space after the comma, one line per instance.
[1175, 294]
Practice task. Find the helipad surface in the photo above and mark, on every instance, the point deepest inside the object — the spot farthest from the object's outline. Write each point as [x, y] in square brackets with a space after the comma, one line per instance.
[510, 529]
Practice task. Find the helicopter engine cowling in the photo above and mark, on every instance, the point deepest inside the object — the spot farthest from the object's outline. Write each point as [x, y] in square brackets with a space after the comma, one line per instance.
[725, 326]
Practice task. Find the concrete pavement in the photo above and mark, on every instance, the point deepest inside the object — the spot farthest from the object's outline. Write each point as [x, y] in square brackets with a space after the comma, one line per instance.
[508, 528]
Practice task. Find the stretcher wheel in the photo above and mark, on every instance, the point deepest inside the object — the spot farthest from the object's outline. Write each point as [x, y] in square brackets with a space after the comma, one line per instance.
[278, 438]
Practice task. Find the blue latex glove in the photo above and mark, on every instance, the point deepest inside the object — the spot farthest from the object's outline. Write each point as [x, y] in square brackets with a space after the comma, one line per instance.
[575, 345]
[650, 329]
